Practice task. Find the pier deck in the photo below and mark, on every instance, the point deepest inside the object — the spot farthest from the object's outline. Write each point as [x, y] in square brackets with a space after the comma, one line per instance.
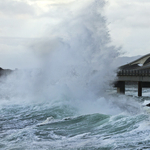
[136, 71]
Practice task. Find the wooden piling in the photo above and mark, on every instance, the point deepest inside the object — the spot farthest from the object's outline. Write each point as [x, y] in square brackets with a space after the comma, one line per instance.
[121, 87]
[139, 88]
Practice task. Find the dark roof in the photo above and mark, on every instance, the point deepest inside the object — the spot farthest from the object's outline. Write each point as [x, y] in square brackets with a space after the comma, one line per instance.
[139, 64]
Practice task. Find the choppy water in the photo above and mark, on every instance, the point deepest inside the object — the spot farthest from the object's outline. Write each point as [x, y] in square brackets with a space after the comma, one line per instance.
[64, 105]
[60, 125]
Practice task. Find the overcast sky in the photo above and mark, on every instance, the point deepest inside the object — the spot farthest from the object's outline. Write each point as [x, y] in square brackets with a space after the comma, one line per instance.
[23, 22]
[129, 25]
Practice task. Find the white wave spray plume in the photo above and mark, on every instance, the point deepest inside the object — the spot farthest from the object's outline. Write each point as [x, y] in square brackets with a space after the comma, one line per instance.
[77, 53]
[76, 58]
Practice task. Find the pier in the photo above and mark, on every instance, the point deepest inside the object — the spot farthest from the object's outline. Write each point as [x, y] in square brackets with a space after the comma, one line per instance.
[137, 71]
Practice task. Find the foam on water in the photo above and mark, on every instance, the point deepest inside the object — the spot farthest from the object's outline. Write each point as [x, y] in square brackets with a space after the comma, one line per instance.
[64, 104]
[75, 57]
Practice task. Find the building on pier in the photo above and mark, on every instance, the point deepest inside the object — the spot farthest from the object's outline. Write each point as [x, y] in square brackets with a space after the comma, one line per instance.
[136, 71]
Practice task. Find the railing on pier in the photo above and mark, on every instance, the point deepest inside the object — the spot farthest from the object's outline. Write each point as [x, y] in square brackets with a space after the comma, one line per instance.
[136, 71]
[133, 72]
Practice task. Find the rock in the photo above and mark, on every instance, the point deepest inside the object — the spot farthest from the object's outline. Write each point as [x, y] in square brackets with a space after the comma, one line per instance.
[4, 72]
[148, 105]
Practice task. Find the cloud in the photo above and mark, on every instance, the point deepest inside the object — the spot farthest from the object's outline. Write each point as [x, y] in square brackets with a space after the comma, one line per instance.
[10, 7]
[128, 22]
[131, 13]
[15, 53]
[129, 25]
[15, 17]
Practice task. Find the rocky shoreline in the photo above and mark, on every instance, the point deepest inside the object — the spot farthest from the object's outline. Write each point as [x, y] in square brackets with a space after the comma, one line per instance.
[4, 72]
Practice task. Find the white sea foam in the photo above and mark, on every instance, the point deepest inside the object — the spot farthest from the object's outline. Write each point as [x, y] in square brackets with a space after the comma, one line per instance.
[75, 57]
[48, 120]
[76, 63]
[76, 66]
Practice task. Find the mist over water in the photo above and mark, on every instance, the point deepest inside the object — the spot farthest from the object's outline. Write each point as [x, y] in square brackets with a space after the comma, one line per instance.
[64, 102]
[75, 56]
[76, 62]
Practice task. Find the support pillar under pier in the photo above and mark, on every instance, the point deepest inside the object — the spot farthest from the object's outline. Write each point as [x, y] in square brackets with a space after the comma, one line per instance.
[121, 87]
[139, 88]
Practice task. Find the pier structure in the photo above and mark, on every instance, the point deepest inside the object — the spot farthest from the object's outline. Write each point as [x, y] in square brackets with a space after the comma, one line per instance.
[137, 71]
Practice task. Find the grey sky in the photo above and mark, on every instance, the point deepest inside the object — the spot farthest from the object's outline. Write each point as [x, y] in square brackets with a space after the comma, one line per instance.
[25, 21]
[129, 25]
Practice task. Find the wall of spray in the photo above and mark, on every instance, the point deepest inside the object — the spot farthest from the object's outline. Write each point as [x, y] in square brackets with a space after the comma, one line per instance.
[75, 61]
[77, 49]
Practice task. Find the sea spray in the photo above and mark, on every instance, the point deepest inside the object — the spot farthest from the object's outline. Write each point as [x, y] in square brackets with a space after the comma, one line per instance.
[76, 54]
[76, 61]
[62, 104]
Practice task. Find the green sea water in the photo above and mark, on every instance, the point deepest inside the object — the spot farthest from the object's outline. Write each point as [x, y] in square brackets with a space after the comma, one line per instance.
[56, 125]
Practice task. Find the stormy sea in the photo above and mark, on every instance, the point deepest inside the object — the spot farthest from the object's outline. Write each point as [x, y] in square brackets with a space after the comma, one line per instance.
[68, 101]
